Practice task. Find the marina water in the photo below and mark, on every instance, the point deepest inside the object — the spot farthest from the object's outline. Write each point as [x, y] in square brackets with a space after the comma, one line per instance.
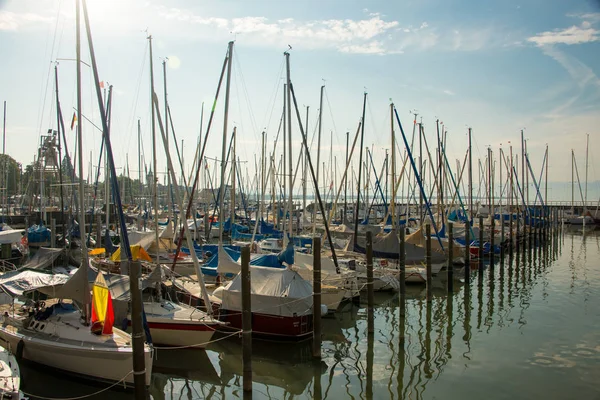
[527, 327]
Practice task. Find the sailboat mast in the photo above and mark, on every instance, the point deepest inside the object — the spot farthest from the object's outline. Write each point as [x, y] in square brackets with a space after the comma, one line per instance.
[262, 178]
[523, 165]
[154, 159]
[140, 185]
[170, 212]
[289, 132]
[546, 180]
[304, 172]
[84, 252]
[60, 175]
[233, 176]
[314, 213]
[587, 143]
[362, 137]
[224, 144]
[346, 180]
[393, 196]
[572, 181]
[470, 178]
[4, 141]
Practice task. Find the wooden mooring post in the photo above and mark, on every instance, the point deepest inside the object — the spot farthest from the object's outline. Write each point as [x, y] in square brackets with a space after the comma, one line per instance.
[316, 298]
[480, 253]
[428, 259]
[450, 266]
[402, 261]
[246, 320]
[467, 252]
[370, 295]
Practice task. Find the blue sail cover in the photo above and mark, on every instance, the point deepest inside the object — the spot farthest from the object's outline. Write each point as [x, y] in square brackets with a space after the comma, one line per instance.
[38, 234]
[275, 260]
[457, 215]
[214, 249]
[235, 235]
[268, 229]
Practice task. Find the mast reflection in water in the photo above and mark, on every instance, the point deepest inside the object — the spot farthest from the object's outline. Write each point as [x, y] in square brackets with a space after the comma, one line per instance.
[527, 327]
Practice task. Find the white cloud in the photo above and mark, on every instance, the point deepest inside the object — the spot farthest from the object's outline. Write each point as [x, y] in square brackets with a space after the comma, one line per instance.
[573, 35]
[374, 47]
[10, 21]
[449, 92]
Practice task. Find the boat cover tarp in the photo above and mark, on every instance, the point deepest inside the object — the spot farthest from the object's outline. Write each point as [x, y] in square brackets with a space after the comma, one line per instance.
[142, 238]
[73, 287]
[388, 246]
[9, 236]
[274, 291]
[43, 258]
[227, 261]
[14, 283]
[38, 234]
[137, 252]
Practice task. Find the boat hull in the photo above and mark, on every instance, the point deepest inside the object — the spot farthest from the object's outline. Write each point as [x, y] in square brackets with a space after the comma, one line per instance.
[110, 365]
[181, 334]
[272, 326]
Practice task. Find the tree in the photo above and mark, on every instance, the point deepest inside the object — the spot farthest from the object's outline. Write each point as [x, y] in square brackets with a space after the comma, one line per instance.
[10, 174]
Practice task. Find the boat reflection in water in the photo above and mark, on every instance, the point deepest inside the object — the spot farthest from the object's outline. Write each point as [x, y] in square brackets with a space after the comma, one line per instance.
[458, 345]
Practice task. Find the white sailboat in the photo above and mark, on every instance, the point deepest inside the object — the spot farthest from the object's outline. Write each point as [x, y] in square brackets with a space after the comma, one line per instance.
[56, 335]
[10, 376]
[59, 336]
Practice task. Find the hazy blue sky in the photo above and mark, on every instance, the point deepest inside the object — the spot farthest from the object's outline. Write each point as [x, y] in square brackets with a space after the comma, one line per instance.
[496, 66]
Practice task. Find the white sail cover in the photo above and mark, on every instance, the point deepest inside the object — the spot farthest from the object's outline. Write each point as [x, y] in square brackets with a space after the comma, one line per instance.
[8, 236]
[14, 283]
[226, 265]
[275, 291]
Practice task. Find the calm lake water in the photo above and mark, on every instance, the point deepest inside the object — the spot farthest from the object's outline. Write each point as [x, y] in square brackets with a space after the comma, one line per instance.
[525, 328]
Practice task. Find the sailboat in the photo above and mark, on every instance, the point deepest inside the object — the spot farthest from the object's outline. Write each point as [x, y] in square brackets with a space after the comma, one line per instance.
[58, 335]
[54, 335]
[10, 376]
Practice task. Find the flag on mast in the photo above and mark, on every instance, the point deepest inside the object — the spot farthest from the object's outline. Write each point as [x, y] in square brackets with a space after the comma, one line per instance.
[73, 120]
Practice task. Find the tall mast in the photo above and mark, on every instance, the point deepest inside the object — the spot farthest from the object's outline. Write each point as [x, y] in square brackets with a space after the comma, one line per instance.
[572, 181]
[224, 145]
[289, 132]
[421, 169]
[470, 178]
[262, 177]
[362, 137]
[140, 185]
[58, 127]
[500, 186]
[346, 180]
[304, 172]
[546, 180]
[154, 161]
[318, 153]
[233, 176]
[5, 199]
[440, 182]
[393, 196]
[522, 165]
[587, 143]
[490, 184]
[84, 252]
[170, 212]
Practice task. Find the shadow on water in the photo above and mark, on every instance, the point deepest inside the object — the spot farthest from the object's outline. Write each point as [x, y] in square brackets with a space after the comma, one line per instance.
[455, 345]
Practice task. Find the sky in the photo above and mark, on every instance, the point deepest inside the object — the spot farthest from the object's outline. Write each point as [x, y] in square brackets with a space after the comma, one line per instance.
[495, 67]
